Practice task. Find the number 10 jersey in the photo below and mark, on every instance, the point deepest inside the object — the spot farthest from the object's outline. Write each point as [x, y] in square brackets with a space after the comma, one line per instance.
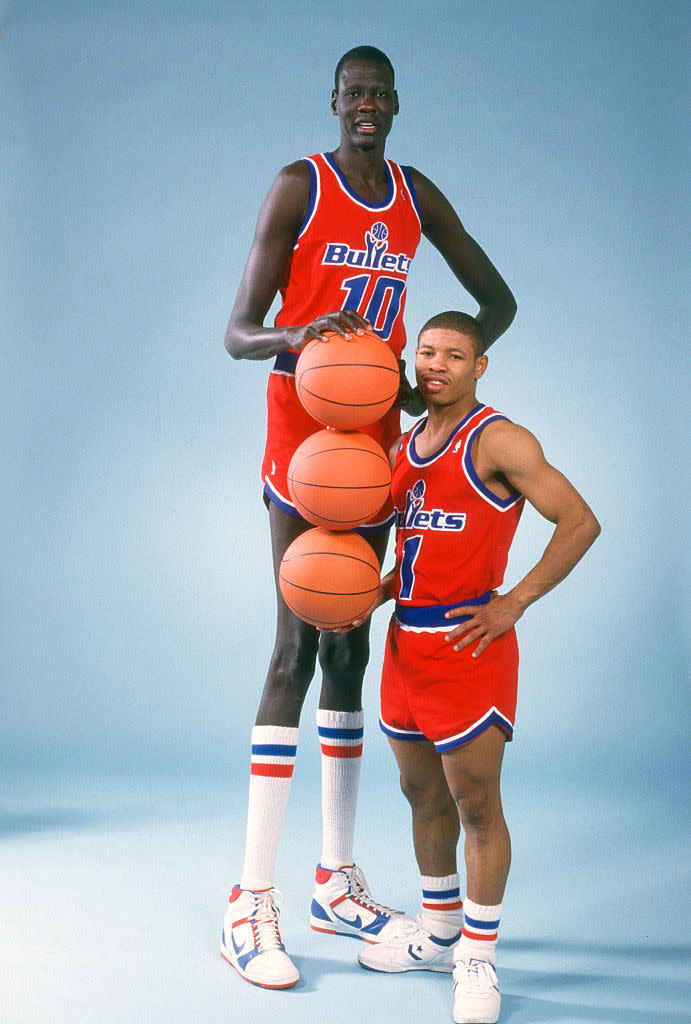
[349, 254]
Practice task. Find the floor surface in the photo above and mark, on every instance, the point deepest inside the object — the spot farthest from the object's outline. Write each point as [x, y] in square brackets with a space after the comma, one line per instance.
[113, 895]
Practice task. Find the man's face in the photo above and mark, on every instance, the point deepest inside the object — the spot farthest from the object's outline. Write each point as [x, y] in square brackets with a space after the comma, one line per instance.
[446, 366]
[366, 103]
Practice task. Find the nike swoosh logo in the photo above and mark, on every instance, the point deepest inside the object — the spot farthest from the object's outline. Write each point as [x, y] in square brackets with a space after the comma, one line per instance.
[238, 949]
[355, 923]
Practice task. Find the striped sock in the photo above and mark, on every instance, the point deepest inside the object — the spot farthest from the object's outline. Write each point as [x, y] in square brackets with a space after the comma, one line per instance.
[480, 931]
[442, 907]
[271, 771]
[340, 735]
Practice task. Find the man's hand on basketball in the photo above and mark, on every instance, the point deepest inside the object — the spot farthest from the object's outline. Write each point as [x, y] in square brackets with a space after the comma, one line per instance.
[486, 623]
[408, 398]
[345, 322]
[381, 597]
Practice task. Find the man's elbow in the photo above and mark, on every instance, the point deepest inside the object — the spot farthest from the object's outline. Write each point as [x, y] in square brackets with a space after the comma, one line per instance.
[510, 309]
[595, 528]
[232, 343]
[590, 527]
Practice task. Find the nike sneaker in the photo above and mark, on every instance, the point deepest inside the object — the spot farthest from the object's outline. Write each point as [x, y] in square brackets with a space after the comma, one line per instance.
[342, 905]
[251, 941]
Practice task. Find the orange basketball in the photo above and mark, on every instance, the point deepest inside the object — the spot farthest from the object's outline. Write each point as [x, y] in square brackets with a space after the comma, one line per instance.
[347, 384]
[339, 479]
[329, 579]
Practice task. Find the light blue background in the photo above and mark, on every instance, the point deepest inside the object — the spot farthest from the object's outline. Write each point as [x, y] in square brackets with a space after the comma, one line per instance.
[137, 142]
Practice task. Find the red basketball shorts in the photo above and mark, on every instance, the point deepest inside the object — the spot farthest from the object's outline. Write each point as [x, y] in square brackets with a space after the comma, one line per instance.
[288, 425]
[431, 692]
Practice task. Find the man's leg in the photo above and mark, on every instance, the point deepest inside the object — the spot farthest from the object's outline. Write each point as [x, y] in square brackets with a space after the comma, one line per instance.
[251, 941]
[428, 943]
[473, 773]
[343, 660]
[342, 903]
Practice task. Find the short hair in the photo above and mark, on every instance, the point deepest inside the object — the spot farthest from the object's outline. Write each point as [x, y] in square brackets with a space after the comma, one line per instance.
[461, 323]
[366, 53]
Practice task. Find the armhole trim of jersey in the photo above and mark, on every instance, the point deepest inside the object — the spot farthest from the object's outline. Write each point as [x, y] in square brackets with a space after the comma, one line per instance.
[315, 192]
[503, 504]
[405, 172]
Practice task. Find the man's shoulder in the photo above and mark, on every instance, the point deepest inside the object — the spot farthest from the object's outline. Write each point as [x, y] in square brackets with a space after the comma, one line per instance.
[298, 170]
[291, 186]
[507, 443]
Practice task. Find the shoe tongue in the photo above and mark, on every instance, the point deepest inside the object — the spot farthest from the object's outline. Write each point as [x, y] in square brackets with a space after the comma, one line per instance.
[265, 907]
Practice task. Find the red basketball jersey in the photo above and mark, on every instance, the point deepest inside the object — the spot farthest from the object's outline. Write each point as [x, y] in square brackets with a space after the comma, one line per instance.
[452, 533]
[352, 254]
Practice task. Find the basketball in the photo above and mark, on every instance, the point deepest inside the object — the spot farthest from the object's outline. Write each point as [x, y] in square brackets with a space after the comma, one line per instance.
[329, 579]
[339, 479]
[347, 384]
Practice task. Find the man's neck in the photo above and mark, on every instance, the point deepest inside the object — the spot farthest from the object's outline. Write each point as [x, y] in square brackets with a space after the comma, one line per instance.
[365, 169]
[442, 419]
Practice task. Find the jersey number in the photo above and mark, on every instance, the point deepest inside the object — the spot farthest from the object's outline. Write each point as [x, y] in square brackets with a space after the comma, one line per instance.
[411, 548]
[384, 305]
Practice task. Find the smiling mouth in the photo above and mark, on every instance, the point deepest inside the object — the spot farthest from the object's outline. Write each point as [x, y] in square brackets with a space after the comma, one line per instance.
[366, 126]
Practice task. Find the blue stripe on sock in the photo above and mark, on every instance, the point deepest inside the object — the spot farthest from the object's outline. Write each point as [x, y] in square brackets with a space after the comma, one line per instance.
[341, 734]
[490, 926]
[441, 894]
[274, 749]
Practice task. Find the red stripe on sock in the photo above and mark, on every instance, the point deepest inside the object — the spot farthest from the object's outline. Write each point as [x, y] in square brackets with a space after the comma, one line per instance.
[342, 751]
[481, 938]
[277, 771]
[442, 906]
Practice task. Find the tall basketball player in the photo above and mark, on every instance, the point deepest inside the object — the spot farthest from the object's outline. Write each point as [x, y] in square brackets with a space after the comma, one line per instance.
[336, 236]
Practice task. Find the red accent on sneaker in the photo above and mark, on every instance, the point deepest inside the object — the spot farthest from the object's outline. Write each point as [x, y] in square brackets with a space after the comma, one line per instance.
[322, 875]
[237, 892]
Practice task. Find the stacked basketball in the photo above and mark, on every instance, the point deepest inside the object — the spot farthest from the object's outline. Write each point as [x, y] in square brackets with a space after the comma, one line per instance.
[339, 478]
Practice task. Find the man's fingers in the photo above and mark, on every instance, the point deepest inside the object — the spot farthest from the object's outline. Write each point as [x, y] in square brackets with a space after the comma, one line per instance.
[466, 609]
[482, 646]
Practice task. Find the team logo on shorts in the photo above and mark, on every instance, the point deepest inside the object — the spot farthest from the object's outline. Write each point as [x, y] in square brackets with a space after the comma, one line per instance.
[415, 517]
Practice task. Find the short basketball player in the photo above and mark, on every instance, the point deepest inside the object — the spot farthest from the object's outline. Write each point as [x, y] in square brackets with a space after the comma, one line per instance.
[461, 477]
[335, 236]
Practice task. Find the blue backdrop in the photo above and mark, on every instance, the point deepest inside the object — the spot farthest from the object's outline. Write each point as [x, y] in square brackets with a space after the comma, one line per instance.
[137, 143]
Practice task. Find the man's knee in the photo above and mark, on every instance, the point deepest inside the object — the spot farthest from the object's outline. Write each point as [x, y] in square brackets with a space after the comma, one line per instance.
[343, 656]
[428, 796]
[292, 665]
[477, 801]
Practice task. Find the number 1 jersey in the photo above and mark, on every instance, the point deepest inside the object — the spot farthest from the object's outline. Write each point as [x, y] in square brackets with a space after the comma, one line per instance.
[453, 533]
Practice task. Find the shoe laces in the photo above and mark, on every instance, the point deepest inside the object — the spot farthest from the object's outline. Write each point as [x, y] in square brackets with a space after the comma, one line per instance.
[264, 919]
[474, 975]
[403, 927]
[357, 883]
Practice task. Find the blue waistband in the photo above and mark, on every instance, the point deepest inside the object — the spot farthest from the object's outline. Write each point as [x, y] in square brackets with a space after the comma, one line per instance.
[433, 615]
[286, 362]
